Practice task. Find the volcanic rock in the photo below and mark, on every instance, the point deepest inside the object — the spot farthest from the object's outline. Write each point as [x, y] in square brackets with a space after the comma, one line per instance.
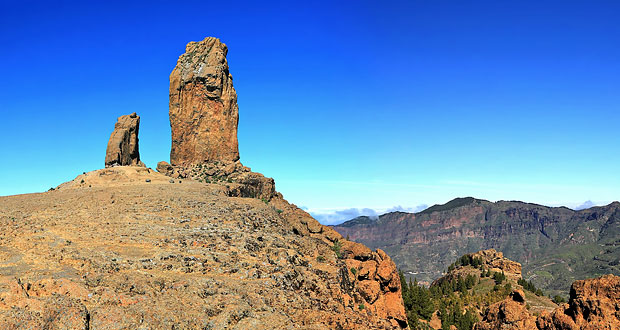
[593, 304]
[203, 106]
[511, 313]
[122, 248]
[109, 251]
[123, 144]
[495, 261]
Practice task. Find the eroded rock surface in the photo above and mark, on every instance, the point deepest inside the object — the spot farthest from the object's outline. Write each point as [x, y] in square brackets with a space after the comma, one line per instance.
[495, 261]
[203, 106]
[593, 304]
[239, 180]
[512, 313]
[123, 144]
[125, 248]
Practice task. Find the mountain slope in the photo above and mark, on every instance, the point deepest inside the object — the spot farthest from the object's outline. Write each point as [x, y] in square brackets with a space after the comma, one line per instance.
[129, 248]
[471, 285]
[556, 246]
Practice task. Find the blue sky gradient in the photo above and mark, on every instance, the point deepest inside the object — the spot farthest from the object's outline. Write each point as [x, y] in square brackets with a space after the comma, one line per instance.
[348, 105]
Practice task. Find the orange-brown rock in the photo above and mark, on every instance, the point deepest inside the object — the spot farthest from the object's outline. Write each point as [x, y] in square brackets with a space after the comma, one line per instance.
[130, 248]
[240, 180]
[511, 313]
[593, 304]
[203, 106]
[370, 290]
[123, 248]
[123, 144]
[495, 261]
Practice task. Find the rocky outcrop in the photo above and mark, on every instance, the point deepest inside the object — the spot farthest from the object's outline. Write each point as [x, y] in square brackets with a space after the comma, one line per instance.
[511, 314]
[369, 279]
[123, 144]
[130, 248]
[165, 168]
[238, 179]
[376, 280]
[203, 106]
[593, 304]
[125, 248]
[495, 261]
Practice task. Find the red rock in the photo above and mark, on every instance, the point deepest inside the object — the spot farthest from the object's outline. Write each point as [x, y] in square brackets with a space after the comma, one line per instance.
[368, 270]
[369, 290]
[386, 270]
[356, 250]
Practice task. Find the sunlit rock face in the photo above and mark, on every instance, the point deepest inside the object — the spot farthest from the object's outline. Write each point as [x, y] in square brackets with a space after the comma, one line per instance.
[203, 106]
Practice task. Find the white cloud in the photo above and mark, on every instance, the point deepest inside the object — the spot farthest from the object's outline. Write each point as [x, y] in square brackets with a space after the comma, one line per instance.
[337, 216]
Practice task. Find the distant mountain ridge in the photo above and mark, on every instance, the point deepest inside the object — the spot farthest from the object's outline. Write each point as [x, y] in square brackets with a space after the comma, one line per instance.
[556, 245]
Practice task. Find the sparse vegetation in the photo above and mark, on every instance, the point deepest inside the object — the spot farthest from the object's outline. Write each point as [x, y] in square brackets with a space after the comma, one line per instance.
[457, 297]
[337, 247]
[499, 278]
[529, 286]
[558, 299]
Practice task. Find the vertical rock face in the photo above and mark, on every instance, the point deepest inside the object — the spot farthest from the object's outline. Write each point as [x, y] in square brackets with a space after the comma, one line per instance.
[123, 144]
[203, 106]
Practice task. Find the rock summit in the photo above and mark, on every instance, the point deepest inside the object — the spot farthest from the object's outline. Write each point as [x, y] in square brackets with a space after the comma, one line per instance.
[203, 106]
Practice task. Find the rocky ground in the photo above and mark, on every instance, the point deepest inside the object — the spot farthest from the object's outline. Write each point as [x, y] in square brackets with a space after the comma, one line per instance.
[130, 248]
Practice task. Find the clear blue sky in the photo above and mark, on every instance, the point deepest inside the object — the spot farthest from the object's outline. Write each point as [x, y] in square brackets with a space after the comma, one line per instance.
[357, 104]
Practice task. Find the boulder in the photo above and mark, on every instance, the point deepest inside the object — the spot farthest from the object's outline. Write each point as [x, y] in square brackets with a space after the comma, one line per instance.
[164, 168]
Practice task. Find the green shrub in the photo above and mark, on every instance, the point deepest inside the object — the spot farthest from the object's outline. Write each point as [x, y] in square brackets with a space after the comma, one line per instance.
[337, 247]
[559, 300]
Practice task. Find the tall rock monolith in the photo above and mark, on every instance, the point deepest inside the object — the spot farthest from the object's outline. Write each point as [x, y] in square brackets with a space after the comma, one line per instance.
[123, 144]
[203, 106]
